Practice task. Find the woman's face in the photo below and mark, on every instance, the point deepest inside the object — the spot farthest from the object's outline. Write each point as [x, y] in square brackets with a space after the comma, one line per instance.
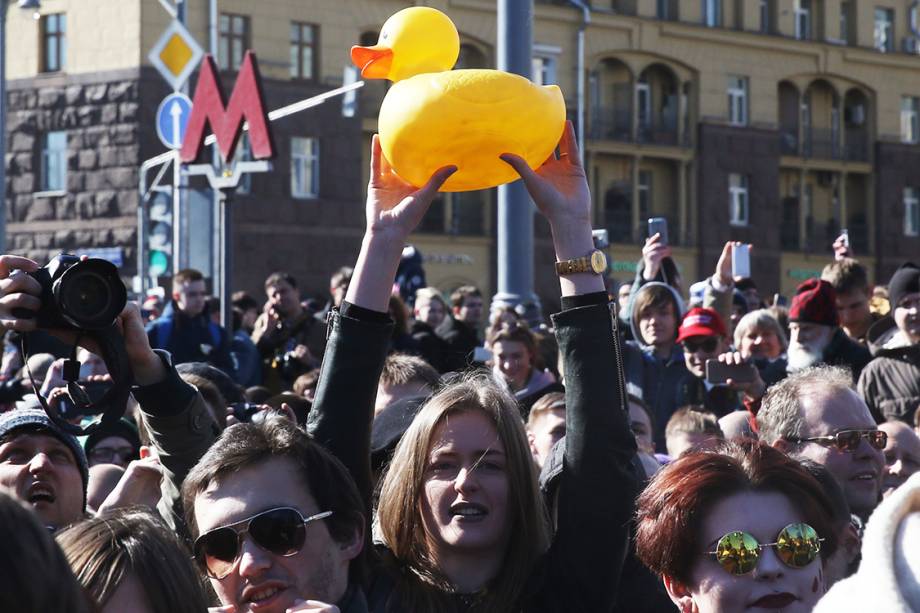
[772, 585]
[465, 496]
[760, 343]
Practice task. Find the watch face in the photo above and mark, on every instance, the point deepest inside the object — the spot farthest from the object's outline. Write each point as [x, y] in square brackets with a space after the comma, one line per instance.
[598, 262]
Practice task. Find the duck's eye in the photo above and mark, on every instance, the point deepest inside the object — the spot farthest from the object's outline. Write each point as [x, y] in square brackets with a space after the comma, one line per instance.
[384, 35]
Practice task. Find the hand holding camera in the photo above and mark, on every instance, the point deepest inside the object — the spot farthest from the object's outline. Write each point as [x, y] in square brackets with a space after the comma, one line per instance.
[81, 301]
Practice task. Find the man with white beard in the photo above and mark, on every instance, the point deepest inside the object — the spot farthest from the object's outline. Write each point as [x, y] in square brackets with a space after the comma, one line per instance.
[815, 335]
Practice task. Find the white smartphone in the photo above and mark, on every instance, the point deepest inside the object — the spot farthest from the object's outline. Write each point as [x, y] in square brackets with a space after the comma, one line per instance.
[741, 261]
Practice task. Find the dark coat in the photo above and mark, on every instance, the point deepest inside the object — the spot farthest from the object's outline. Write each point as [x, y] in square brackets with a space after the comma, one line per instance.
[890, 384]
[191, 339]
[844, 351]
[598, 484]
[431, 346]
[720, 399]
[461, 341]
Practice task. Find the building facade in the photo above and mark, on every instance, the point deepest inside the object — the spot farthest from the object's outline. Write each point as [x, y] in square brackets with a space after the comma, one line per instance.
[777, 123]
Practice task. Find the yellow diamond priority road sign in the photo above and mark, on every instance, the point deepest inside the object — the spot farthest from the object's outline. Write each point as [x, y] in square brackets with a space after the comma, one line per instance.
[176, 54]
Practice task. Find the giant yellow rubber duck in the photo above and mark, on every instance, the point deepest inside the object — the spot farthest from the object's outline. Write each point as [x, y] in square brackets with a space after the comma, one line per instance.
[434, 116]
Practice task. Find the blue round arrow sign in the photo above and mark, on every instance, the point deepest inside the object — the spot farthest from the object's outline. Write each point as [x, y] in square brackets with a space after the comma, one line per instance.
[172, 119]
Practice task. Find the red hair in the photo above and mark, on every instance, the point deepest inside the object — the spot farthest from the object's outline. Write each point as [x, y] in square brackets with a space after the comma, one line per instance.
[672, 507]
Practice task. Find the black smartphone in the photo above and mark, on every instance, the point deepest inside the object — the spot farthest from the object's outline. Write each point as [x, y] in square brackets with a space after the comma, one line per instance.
[658, 225]
[243, 411]
[719, 372]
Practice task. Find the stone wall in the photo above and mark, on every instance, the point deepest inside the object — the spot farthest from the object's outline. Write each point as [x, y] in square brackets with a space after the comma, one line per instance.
[748, 151]
[897, 166]
[98, 206]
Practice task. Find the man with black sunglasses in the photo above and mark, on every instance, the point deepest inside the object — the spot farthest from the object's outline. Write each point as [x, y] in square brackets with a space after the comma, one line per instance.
[815, 414]
[277, 521]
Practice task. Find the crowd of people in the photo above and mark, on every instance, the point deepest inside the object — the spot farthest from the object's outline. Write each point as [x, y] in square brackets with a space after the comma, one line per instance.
[399, 450]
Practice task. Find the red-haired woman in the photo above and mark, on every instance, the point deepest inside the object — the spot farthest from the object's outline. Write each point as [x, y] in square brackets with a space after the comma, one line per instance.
[739, 528]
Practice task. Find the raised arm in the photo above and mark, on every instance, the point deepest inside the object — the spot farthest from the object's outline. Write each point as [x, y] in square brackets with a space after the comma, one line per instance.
[343, 407]
[597, 487]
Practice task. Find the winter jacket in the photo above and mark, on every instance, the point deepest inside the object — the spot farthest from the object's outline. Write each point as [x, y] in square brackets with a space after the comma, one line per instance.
[890, 384]
[461, 341]
[658, 379]
[246, 359]
[274, 343]
[887, 576]
[718, 399]
[431, 346]
[844, 351]
[191, 339]
[181, 429]
[580, 571]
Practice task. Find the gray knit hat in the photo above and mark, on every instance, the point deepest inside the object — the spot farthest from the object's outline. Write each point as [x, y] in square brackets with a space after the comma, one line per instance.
[36, 419]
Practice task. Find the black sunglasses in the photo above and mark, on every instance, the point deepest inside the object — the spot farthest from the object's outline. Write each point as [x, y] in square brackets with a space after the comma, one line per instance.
[848, 440]
[707, 345]
[280, 531]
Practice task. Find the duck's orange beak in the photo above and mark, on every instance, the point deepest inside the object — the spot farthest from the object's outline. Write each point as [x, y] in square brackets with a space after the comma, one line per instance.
[374, 62]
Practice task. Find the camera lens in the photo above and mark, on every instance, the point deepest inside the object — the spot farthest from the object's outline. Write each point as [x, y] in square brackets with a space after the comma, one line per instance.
[90, 294]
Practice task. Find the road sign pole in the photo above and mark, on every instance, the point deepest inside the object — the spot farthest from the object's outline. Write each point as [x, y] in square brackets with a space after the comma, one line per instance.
[226, 259]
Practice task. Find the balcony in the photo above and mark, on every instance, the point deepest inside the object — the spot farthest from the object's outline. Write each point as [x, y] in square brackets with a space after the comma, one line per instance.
[611, 124]
[822, 144]
[662, 134]
[616, 125]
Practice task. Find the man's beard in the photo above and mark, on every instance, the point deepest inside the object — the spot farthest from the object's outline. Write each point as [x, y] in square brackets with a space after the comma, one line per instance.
[800, 356]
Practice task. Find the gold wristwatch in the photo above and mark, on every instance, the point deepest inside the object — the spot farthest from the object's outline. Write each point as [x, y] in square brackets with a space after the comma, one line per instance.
[595, 263]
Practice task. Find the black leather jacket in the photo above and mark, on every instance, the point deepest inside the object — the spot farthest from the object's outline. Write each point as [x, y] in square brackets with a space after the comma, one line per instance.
[597, 481]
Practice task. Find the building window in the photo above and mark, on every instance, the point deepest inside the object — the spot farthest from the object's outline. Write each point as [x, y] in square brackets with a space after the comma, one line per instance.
[303, 50]
[54, 162]
[884, 30]
[738, 199]
[667, 10]
[802, 10]
[845, 8]
[644, 189]
[712, 13]
[910, 120]
[234, 41]
[54, 42]
[766, 16]
[544, 70]
[911, 211]
[304, 167]
[737, 101]
[644, 104]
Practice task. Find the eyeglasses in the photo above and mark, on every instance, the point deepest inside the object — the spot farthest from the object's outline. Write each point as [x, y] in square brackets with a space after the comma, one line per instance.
[797, 545]
[848, 440]
[280, 531]
[708, 345]
[99, 455]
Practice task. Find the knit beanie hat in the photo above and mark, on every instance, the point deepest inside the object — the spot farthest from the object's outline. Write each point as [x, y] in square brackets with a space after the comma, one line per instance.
[36, 420]
[815, 303]
[905, 280]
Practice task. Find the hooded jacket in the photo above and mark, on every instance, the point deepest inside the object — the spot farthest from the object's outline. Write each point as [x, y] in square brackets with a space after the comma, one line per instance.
[658, 379]
[890, 384]
[887, 576]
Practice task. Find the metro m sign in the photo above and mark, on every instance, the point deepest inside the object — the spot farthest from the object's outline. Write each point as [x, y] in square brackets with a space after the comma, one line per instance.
[246, 104]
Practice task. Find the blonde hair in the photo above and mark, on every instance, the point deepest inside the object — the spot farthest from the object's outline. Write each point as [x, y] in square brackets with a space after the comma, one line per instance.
[421, 584]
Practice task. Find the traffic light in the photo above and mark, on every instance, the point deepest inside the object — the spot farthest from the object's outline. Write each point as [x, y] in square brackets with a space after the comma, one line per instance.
[160, 233]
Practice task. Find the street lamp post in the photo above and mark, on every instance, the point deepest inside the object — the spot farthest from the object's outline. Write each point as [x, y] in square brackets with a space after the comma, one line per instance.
[515, 210]
[32, 5]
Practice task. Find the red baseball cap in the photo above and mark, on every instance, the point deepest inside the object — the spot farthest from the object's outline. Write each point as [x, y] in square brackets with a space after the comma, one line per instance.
[701, 322]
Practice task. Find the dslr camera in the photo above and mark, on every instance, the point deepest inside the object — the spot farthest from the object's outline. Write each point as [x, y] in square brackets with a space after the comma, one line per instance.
[78, 294]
